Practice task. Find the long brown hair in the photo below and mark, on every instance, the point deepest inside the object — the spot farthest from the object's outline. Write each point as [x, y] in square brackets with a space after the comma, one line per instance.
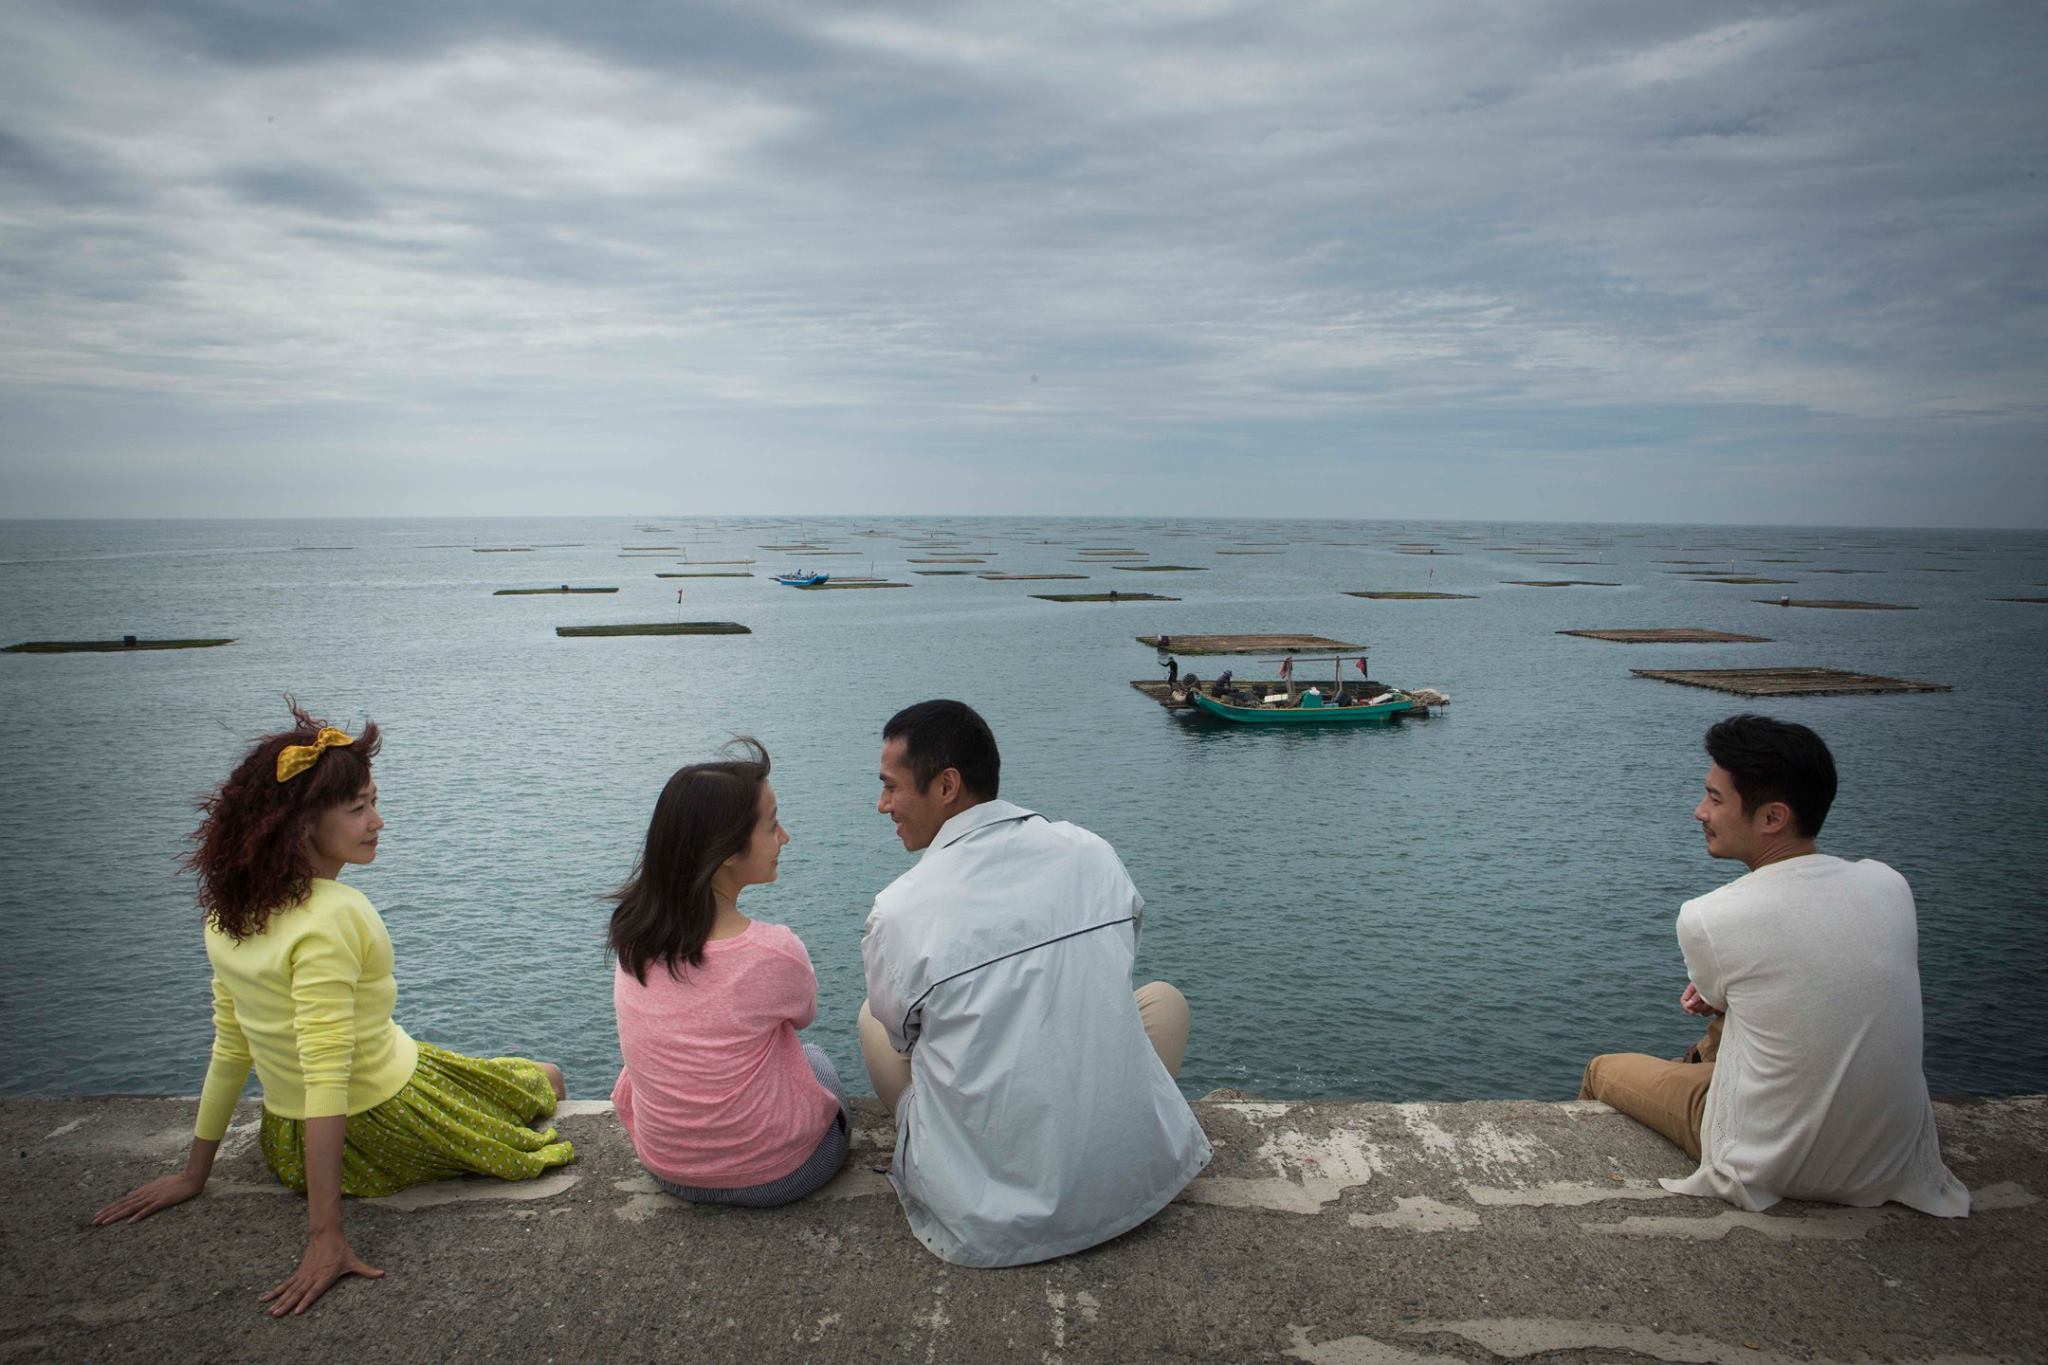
[705, 814]
[251, 849]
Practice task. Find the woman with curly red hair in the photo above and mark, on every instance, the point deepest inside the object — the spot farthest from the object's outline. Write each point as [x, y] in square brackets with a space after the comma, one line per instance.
[303, 992]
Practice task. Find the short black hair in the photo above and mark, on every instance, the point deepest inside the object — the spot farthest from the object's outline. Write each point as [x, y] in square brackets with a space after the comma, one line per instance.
[1776, 760]
[938, 735]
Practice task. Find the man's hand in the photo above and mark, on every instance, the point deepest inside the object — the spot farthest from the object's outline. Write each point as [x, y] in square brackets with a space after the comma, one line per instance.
[1692, 1002]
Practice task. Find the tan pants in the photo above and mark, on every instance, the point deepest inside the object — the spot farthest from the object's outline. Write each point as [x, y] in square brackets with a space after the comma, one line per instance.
[1666, 1097]
[1161, 1006]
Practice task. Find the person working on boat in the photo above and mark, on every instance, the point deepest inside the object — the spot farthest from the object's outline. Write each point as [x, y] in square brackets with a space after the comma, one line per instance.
[1036, 1110]
[1807, 1084]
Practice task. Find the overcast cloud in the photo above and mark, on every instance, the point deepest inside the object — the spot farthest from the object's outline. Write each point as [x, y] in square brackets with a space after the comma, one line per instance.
[1566, 260]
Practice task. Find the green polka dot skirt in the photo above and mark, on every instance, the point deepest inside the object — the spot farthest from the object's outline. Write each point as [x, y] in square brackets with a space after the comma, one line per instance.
[457, 1116]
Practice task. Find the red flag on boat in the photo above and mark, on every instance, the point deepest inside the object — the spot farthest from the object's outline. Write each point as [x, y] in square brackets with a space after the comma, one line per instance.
[1287, 668]
[1360, 661]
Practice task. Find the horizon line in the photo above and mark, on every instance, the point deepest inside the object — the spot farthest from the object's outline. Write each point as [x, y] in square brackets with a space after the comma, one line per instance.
[1016, 516]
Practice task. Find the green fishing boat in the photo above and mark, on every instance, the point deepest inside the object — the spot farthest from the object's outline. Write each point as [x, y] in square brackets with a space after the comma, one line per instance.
[1310, 710]
[1344, 704]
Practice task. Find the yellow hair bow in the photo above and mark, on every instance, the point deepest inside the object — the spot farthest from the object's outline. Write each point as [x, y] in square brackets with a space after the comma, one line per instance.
[299, 757]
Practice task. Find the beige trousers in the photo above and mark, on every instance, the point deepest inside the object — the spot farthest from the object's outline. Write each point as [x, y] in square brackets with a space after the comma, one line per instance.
[1666, 1097]
[1161, 1006]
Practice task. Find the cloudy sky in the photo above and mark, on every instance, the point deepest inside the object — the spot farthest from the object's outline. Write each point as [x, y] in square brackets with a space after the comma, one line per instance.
[1579, 261]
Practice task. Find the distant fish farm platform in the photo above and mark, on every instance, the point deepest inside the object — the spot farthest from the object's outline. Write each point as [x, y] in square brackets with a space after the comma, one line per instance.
[1243, 644]
[537, 592]
[1102, 597]
[1669, 635]
[656, 628]
[1413, 596]
[845, 585]
[1787, 682]
[2038, 600]
[1736, 578]
[709, 573]
[1831, 604]
[125, 644]
[1160, 568]
[1027, 577]
[1558, 583]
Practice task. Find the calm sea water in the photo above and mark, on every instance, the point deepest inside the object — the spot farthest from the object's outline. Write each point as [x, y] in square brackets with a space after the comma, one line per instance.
[1462, 907]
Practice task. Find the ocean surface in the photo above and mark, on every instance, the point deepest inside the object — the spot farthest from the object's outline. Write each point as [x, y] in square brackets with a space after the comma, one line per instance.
[1460, 907]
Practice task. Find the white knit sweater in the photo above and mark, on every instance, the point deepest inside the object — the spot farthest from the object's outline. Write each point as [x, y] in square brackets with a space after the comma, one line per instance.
[1818, 1091]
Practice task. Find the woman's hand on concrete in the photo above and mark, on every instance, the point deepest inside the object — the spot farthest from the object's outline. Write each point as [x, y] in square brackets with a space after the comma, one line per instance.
[158, 1195]
[328, 1259]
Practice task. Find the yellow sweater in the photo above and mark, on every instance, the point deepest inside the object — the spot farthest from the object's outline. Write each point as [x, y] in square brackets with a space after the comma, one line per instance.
[308, 1002]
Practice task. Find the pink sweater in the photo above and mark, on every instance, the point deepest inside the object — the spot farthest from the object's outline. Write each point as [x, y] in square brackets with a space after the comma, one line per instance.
[716, 1092]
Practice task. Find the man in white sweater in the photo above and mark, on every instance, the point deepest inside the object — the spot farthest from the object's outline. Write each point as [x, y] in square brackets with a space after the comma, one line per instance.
[1807, 1084]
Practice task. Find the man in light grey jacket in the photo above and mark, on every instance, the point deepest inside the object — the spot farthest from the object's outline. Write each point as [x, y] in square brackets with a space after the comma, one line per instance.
[1036, 1109]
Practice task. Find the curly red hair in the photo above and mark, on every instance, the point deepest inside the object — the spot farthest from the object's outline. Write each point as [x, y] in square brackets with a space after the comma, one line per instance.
[252, 855]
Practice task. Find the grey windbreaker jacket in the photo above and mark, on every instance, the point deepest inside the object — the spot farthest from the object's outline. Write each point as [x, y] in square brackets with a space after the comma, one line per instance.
[1039, 1121]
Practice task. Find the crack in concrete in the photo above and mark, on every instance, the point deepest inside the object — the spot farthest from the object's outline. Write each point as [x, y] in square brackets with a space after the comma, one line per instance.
[1419, 1213]
[1488, 1146]
[148, 1305]
[1827, 1225]
[479, 1189]
[1561, 1193]
[856, 1182]
[1519, 1337]
[1354, 1350]
[649, 1199]
[2006, 1194]
[1328, 1166]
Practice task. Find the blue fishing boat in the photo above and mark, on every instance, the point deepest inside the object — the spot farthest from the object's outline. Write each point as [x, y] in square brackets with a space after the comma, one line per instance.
[802, 579]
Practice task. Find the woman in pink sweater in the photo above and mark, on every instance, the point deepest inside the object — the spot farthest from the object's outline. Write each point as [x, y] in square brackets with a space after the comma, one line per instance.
[723, 1102]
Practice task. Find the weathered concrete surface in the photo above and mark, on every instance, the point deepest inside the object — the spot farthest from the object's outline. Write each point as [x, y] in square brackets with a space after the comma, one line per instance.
[1348, 1234]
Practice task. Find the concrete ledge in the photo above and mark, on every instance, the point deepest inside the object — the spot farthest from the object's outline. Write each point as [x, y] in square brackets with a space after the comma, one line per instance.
[1346, 1234]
